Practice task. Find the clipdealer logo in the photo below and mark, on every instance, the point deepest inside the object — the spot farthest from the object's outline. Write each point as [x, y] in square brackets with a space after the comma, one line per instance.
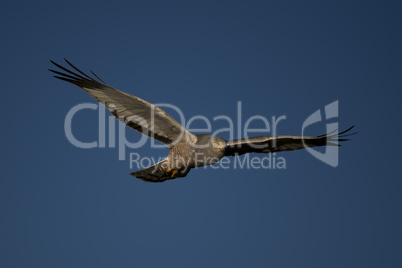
[107, 134]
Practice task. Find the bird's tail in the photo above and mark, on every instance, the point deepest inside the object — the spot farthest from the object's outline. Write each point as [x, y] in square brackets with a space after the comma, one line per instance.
[159, 172]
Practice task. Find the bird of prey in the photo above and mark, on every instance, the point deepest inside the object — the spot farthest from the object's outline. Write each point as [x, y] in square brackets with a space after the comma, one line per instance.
[187, 150]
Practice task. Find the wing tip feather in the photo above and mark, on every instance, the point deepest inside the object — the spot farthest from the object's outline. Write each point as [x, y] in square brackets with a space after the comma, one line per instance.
[77, 78]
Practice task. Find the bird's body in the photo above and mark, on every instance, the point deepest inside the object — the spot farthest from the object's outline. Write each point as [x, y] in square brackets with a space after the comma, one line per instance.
[207, 150]
[187, 150]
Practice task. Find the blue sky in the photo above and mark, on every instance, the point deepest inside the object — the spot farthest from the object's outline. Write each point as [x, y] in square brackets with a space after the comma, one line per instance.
[62, 206]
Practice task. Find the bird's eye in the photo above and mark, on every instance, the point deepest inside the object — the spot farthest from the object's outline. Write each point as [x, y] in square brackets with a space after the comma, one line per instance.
[216, 143]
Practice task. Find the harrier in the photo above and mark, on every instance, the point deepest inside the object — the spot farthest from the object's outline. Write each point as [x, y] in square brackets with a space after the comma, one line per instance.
[187, 150]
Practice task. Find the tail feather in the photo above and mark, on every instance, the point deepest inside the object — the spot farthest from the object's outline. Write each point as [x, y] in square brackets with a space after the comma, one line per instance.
[158, 173]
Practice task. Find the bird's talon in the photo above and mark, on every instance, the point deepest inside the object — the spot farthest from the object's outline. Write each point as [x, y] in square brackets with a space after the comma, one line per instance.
[171, 171]
[174, 172]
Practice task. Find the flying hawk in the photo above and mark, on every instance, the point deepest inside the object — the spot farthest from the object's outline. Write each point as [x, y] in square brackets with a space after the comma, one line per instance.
[187, 150]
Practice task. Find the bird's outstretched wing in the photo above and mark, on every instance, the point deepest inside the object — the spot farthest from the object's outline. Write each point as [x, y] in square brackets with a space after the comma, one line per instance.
[136, 113]
[159, 173]
[272, 144]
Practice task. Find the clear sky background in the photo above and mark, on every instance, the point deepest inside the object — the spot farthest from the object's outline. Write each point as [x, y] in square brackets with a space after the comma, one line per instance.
[62, 206]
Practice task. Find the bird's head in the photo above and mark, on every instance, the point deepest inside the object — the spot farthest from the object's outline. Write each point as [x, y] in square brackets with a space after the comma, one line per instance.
[218, 143]
[210, 146]
[212, 142]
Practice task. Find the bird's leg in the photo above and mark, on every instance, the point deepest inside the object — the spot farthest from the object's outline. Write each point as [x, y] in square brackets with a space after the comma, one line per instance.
[174, 172]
